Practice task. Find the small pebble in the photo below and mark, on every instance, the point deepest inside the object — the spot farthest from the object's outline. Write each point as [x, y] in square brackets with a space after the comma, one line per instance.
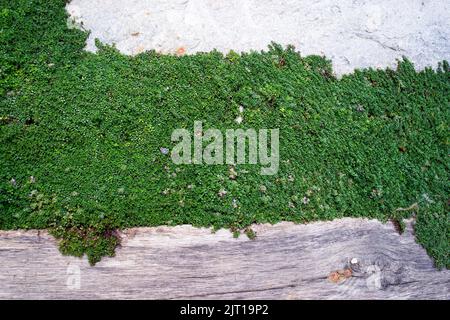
[232, 173]
[305, 200]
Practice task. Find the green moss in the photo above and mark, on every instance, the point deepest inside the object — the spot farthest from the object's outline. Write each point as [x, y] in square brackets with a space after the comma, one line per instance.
[89, 127]
[251, 234]
[94, 242]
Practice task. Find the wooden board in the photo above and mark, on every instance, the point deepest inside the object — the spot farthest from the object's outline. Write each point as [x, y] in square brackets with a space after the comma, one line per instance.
[286, 261]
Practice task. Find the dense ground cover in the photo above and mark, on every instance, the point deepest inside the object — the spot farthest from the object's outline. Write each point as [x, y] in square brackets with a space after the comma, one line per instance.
[80, 138]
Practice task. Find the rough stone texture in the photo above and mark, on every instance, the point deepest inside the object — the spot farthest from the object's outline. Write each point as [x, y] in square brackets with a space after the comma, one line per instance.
[286, 261]
[353, 33]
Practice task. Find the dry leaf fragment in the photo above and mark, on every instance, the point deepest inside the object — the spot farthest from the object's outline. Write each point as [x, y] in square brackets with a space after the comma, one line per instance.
[340, 275]
[180, 51]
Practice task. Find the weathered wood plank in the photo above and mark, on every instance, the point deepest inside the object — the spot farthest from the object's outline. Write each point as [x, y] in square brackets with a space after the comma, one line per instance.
[286, 261]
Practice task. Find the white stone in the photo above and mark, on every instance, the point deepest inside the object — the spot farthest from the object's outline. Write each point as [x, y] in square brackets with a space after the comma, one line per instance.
[352, 33]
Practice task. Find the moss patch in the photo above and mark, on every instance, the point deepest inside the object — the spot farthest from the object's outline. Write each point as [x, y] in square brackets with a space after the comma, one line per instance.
[80, 137]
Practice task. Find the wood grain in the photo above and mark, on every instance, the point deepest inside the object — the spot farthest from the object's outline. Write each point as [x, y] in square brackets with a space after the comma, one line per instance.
[286, 261]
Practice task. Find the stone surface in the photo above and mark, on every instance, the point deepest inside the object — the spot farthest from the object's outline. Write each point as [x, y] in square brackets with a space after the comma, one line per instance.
[285, 261]
[353, 33]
